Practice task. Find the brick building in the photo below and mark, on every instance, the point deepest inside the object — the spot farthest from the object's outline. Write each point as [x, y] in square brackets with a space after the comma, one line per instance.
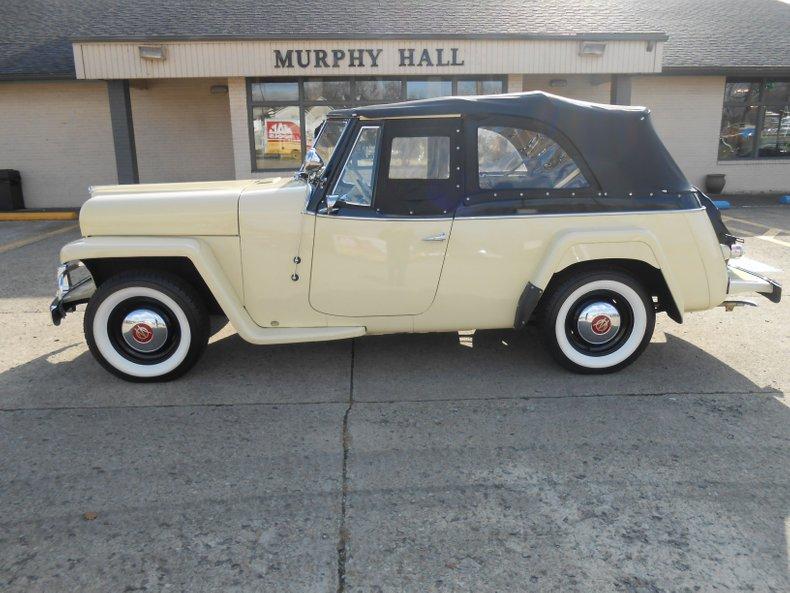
[93, 93]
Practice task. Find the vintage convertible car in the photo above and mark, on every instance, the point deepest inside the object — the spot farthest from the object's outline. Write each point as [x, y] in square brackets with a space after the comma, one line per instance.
[427, 216]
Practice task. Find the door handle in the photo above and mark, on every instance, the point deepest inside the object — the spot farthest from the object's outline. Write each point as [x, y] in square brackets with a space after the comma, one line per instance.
[436, 237]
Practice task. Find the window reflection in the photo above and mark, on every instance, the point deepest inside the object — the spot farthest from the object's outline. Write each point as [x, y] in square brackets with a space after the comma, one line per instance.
[334, 91]
[277, 136]
[738, 129]
[285, 113]
[517, 158]
[425, 89]
[775, 136]
[479, 87]
[355, 184]
[275, 91]
[754, 120]
[420, 157]
[382, 91]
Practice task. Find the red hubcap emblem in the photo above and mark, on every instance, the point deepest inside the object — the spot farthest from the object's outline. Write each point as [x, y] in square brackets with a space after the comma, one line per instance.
[142, 333]
[601, 324]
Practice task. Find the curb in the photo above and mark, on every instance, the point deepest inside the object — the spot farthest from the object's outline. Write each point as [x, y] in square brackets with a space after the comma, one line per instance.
[23, 215]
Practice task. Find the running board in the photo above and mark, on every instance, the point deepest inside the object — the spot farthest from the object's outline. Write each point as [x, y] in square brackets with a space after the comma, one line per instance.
[294, 335]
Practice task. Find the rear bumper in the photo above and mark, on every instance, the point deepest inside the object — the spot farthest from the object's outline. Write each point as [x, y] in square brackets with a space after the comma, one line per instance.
[75, 286]
[742, 280]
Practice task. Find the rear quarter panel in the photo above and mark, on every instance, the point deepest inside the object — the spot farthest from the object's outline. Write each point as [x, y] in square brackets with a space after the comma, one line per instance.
[490, 260]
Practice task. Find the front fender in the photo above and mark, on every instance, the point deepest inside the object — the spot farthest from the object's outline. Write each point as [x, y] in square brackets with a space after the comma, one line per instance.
[205, 262]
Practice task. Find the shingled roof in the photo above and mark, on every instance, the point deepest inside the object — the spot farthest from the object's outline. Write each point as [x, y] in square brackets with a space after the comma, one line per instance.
[704, 35]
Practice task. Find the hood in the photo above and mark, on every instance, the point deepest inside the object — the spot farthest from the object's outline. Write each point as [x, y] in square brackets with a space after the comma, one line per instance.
[167, 209]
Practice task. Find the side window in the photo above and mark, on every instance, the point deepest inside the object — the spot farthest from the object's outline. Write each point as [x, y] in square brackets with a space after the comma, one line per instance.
[518, 158]
[355, 184]
[420, 157]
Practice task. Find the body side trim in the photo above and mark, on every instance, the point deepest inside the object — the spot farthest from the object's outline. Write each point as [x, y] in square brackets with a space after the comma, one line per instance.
[567, 214]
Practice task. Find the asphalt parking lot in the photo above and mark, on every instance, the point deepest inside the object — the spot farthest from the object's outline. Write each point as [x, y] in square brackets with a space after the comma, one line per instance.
[413, 463]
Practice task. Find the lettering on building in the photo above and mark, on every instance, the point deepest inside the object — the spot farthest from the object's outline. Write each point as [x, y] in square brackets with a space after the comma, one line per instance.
[366, 58]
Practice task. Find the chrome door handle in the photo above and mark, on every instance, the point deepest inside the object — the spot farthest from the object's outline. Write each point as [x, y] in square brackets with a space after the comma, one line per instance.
[436, 237]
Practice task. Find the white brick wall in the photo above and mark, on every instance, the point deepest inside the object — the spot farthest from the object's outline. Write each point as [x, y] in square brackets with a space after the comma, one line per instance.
[58, 135]
[182, 131]
[686, 112]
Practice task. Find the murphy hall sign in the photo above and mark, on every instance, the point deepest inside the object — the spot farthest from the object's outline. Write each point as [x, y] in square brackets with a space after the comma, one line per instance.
[366, 58]
[103, 60]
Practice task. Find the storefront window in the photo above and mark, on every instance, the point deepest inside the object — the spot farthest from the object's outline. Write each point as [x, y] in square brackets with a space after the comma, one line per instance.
[284, 114]
[755, 120]
[480, 87]
[337, 91]
[425, 89]
[378, 91]
[278, 137]
[275, 91]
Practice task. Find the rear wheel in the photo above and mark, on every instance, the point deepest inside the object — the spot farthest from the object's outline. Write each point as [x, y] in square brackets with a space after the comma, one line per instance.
[144, 326]
[598, 321]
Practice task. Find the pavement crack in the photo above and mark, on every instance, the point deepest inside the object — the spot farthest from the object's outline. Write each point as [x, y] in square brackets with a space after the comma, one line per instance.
[767, 392]
[342, 540]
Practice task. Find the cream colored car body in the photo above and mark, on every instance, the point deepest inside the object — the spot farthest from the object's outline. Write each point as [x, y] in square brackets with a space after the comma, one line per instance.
[358, 276]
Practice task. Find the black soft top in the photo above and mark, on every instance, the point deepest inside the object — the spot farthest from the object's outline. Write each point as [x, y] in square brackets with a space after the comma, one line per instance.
[619, 143]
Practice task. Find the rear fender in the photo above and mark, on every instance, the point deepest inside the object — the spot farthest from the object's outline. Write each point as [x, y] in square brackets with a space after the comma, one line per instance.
[574, 247]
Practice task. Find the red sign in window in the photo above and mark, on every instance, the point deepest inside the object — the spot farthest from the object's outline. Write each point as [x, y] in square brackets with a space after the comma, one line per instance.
[286, 131]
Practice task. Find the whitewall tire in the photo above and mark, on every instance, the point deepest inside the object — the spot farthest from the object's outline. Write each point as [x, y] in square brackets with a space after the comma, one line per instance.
[598, 321]
[146, 326]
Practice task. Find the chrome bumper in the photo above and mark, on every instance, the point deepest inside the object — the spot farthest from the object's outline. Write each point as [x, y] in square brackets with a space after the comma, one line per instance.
[742, 280]
[75, 286]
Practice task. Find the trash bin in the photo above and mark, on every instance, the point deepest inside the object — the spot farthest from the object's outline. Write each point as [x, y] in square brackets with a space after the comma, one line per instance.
[10, 190]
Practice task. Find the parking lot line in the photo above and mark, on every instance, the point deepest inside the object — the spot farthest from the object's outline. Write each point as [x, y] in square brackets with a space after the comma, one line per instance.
[728, 218]
[36, 238]
[771, 237]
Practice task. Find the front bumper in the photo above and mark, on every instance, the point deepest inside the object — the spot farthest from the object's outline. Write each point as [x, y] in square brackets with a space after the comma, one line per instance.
[75, 286]
[743, 280]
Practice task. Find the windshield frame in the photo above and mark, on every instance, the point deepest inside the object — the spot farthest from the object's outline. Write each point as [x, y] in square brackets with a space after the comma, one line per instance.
[322, 177]
[322, 132]
[314, 175]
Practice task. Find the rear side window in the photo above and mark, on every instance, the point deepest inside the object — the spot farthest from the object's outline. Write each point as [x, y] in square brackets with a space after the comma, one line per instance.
[420, 157]
[518, 158]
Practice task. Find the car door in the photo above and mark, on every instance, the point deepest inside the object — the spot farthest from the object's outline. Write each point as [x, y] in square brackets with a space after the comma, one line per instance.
[380, 249]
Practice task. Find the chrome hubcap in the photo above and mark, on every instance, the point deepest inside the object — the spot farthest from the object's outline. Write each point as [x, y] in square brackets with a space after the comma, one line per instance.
[598, 322]
[144, 330]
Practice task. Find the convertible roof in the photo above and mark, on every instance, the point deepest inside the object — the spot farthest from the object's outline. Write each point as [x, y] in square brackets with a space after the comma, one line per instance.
[618, 142]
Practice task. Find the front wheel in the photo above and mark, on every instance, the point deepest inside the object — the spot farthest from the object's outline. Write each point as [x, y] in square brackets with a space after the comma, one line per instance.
[598, 322]
[145, 326]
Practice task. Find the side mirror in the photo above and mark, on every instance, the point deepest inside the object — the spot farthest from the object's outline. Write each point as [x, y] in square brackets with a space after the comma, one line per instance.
[312, 162]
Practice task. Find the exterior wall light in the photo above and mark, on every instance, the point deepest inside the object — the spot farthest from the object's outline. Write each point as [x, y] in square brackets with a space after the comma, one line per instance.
[219, 89]
[151, 52]
[558, 83]
[592, 49]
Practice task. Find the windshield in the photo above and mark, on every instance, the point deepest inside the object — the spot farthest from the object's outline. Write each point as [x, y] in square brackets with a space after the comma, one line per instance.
[328, 137]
